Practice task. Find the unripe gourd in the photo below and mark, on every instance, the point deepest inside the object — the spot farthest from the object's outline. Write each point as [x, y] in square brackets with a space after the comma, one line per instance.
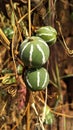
[19, 69]
[34, 51]
[8, 32]
[48, 34]
[37, 79]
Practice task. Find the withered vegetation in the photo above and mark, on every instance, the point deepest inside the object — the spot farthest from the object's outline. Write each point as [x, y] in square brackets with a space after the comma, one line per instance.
[21, 109]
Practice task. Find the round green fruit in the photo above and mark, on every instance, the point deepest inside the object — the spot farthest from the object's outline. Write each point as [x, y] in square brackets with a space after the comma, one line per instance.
[8, 32]
[37, 79]
[48, 34]
[49, 116]
[34, 51]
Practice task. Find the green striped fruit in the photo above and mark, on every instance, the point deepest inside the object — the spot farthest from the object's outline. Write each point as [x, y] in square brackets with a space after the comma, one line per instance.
[37, 79]
[48, 34]
[8, 32]
[34, 51]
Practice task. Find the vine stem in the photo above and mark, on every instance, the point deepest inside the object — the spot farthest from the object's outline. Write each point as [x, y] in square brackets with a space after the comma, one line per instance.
[29, 103]
[12, 50]
[29, 16]
[69, 51]
[45, 104]
[4, 37]
[55, 112]
[30, 11]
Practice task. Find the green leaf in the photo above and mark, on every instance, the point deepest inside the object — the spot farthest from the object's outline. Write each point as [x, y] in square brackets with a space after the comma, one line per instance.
[9, 80]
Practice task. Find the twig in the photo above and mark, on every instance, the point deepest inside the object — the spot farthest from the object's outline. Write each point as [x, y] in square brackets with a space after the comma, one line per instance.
[28, 116]
[65, 2]
[4, 37]
[41, 123]
[29, 16]
[12, 50]
[69, 52]
[30, 12]
[45, 104]
[3, 108]
[54, 112]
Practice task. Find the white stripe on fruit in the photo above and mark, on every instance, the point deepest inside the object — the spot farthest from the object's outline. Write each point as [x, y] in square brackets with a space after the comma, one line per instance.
[45, 80]
[43, 56]
[31, 52]
[38, 79]
[25, 46]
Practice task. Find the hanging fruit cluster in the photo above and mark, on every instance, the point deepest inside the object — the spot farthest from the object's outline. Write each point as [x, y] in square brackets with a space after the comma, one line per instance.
[34, 52]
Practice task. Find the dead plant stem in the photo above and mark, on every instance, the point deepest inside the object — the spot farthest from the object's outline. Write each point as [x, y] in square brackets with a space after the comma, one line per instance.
[54, 112]
[29, 16]
[65, 2]
[69, 52]
[13, 56]
[45, 104]
[28, 116]
[4, 37]
[30, 12]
